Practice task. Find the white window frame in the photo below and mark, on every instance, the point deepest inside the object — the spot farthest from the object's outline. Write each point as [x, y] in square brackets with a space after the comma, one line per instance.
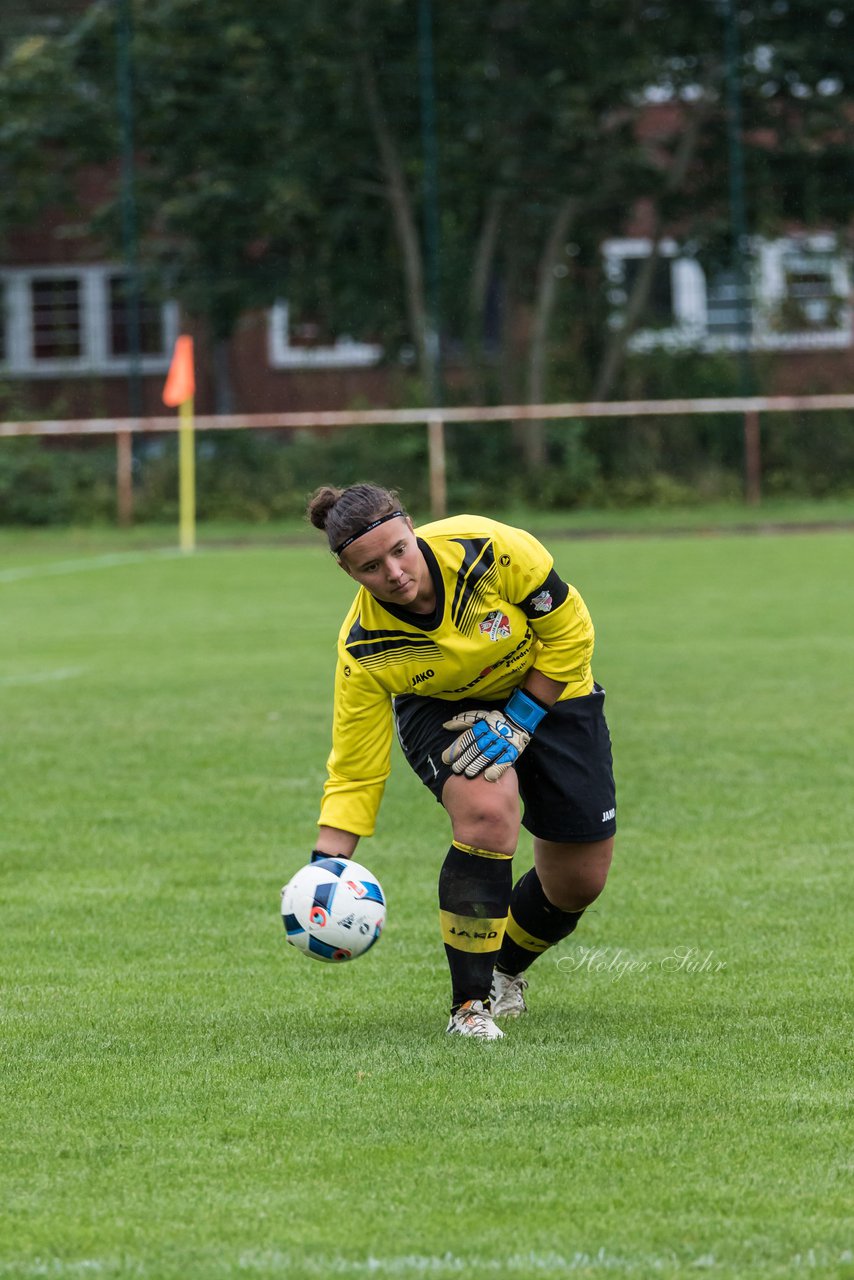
[344, 354]
[689, 330]
[772, 292]
[95, 355]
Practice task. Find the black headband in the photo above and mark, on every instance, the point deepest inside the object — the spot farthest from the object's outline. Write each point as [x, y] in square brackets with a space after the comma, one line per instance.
[360, 533]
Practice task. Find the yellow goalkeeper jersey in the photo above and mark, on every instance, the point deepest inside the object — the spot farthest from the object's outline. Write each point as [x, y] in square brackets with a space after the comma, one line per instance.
[500, 609]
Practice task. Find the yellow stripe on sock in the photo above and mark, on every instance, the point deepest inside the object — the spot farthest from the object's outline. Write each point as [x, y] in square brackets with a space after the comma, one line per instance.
[471, 933]
[524, 939]
[480, 853]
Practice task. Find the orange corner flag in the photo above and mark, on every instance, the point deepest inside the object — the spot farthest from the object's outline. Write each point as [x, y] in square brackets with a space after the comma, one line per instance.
[181, 381]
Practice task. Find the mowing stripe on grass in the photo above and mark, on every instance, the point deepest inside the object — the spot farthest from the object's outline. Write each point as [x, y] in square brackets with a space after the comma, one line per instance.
[276, 1263]
[41, 677]
[112, 561]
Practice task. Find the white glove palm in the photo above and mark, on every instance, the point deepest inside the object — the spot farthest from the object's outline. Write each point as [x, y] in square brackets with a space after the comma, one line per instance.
[492, 741]
[490, 744]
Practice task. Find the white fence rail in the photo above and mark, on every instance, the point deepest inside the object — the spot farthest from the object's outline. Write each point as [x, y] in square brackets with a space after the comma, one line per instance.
[747, 407]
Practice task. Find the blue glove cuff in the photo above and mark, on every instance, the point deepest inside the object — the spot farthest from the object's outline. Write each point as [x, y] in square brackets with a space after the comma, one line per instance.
[524, 711]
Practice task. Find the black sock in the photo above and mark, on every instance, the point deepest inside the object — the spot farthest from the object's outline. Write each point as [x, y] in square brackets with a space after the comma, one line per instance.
[533, 925]
[474, 890]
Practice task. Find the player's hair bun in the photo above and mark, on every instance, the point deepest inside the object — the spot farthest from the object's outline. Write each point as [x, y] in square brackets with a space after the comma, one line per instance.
[342, 513]
[321, 503]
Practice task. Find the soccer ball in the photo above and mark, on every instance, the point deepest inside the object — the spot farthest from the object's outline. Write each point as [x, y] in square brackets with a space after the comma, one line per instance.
[333, 910]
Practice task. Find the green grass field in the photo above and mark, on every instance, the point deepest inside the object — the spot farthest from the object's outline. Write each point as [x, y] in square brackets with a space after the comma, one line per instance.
[186, 1098]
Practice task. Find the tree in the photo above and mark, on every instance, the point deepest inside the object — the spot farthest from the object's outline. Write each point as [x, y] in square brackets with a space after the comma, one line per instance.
[796, 135]
[228, 178]
[279, 153]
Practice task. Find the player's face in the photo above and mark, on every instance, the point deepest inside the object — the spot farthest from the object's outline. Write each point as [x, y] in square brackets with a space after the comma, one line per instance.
[388, 562]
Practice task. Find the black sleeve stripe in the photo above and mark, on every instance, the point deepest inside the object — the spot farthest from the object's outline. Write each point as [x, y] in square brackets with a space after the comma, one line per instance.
[545, 598]
[369, 646]
[478, 559]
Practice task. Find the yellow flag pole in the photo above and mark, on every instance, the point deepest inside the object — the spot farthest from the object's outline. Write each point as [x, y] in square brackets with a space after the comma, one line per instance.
[187, 476]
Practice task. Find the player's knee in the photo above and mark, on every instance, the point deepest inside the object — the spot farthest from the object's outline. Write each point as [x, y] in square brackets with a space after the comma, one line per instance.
[573, 876]
[489, 831]
[493, 826]
[484, 814]
[571, 894]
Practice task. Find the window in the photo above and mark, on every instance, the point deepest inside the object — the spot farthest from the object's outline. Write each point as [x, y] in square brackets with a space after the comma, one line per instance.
[806, 293]
[56, 319]
[303, 350]
[62, 321]
[798, 296]
[728, 317]
[672, 312]
[152, 337]
[659, 309]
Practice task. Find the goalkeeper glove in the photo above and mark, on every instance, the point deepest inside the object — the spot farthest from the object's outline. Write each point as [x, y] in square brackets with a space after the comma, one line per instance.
[318, 856]
[492, 741]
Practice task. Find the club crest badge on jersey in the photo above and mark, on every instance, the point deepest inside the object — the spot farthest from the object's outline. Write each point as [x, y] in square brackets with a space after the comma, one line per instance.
[496, 625]
[542, 602]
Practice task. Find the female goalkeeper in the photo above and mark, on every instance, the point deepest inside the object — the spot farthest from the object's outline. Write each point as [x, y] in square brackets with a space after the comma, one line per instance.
[465, 638]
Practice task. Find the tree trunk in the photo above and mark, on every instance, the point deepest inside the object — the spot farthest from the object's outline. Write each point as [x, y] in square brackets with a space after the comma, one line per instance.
[535, 434]
[399, 199]
[618, 344]
[481, 275]
[615, 352]
[512, 323]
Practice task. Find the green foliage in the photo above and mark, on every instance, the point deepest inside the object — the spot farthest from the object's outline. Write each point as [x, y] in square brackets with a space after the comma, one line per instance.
[810, 453]
[37, 164]
[66, 485]
[259, 476]
[261, 172]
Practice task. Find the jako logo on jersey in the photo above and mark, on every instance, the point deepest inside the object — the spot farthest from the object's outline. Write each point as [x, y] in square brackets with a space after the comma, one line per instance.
[542, 602]
[609, 814]
[496, 625]
[423, 675]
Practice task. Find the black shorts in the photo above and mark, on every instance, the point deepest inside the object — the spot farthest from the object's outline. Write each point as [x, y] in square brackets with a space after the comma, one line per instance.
[566, 774]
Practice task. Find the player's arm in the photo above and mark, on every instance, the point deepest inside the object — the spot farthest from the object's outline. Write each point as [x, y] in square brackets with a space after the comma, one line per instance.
[491, 742]
[542, 687]
[360, 760]
[556, 613]
[332, 842]
[565, 633]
